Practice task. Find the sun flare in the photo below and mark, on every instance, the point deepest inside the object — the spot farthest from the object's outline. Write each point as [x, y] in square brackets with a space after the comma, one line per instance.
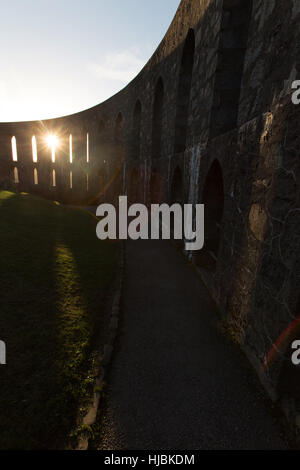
[52, 142]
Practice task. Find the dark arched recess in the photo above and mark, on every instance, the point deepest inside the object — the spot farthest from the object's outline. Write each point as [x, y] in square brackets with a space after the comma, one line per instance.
[184, 92]
[136, 130]
[213, 200]
[157, 118]
[236, 16]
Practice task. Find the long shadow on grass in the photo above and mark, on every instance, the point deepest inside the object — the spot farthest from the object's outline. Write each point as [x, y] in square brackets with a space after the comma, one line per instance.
[27, 293]
[53, 273]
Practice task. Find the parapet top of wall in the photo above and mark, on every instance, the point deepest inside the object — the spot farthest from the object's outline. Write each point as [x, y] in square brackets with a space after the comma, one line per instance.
[188, 15]
[272, 61]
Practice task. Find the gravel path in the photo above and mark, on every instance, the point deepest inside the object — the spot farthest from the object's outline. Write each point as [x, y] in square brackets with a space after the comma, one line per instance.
[176, 383]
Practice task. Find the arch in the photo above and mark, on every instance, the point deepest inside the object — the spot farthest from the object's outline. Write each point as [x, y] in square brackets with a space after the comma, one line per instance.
[101, 126]
[213, 199]
[35, 177]
[177, 198]
[155, 187]
[119, 127]
[184, 92]
[177, 187]
[53, 179]
[134, 186]
[14, 150]
[102, 177]
[157, 118]
[52, 146]
[87, 147]
[136, 131]
[16, 175]
[34, 149]
[233, 40]
[70, 148]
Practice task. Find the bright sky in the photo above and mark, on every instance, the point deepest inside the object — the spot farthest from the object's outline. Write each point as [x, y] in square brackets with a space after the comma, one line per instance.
[62, 56]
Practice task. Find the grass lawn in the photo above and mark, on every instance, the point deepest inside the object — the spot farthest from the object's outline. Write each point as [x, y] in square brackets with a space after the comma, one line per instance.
[54, 274]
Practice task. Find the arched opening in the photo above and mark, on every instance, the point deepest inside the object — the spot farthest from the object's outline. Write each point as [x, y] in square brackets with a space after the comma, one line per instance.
[134, 187]
[155, 187]
[71, 148]
[53, 179]
[87, 147]
[52, 142]
[184, 92]
[177, 187]
[34, 149]
[213, 200]
[236, 16]
[102, 184]
[119, 128]
[136, 132]
[14, 149]
[157, 119]
[177, 198]
[16, 175]
[101, 127]
[35, 177]
[102, 178]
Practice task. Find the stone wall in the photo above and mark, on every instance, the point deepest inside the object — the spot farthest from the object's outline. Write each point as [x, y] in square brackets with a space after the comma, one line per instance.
[209, 119]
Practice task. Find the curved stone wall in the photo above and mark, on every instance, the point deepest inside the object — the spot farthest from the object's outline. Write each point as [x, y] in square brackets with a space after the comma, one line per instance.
[209, 118]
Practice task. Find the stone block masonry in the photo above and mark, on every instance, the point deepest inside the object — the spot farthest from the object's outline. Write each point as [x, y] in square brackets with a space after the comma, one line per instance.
[209, 120]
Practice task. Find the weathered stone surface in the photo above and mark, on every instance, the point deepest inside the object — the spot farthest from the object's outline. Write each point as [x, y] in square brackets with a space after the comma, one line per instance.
[237, 109]
[258, 220]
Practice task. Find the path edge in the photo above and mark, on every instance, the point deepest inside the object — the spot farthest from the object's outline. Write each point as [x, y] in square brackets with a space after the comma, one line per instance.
[91, 414]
